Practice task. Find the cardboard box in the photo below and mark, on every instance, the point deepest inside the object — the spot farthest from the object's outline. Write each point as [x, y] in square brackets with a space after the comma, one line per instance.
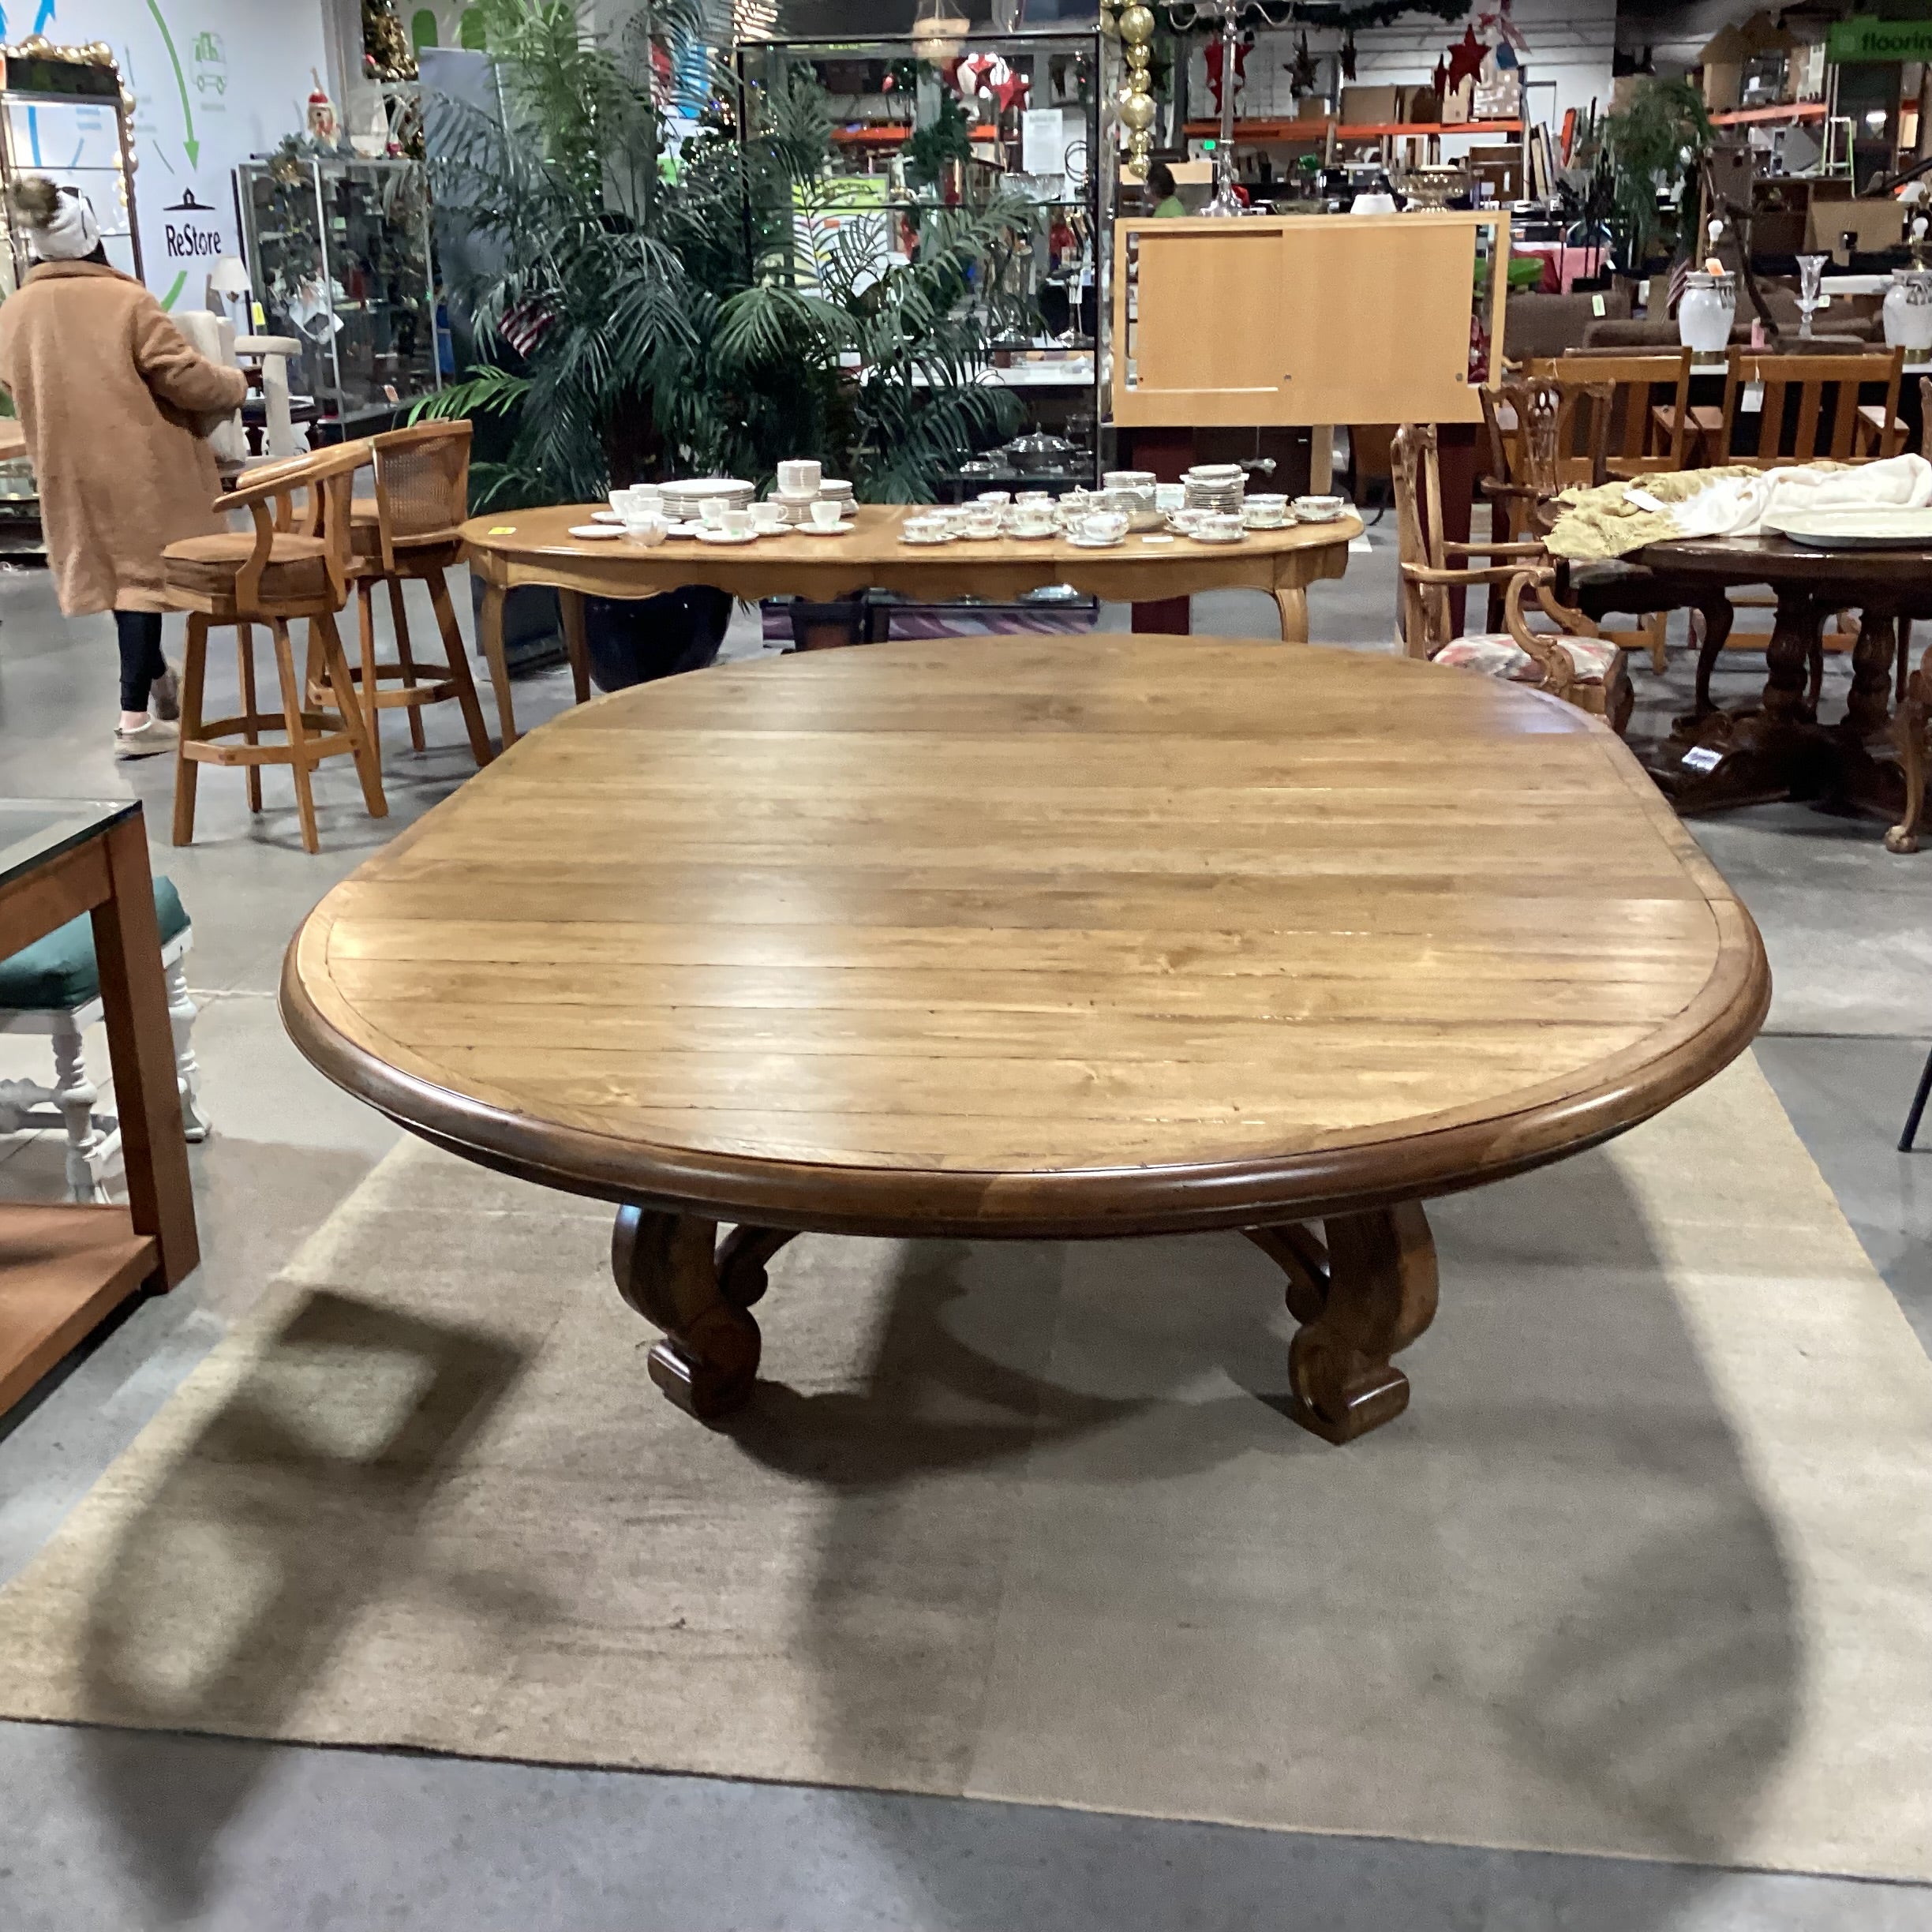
[1877, 224]
[1421, 103]
[1371, 106]
[1312, 107]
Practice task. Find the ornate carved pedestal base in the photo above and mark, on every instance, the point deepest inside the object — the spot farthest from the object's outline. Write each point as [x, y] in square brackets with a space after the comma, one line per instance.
[673, 1270]
[1363, 1298]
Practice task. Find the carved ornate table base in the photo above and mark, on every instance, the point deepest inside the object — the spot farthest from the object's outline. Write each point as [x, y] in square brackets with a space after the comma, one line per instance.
[1360, 1298]
[1717, 758]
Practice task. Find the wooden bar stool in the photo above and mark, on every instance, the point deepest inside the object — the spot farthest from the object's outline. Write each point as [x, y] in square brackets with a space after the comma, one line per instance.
[293, 564]
[409, 530]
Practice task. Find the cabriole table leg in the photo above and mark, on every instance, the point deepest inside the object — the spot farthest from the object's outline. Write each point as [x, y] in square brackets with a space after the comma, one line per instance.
[1367, 1300]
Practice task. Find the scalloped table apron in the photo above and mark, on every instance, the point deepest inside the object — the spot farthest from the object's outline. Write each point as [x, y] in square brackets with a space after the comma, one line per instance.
[535, 547]
[1037, 939]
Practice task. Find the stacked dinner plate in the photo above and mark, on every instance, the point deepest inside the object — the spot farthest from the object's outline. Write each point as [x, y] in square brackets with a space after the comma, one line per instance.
[1215, 487]
[684, 501]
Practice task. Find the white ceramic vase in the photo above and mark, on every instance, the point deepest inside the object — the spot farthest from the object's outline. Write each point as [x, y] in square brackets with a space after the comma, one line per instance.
[1706, 315]
[1907, 313]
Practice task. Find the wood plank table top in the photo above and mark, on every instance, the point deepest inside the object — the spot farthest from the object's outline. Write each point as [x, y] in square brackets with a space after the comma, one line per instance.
[1033, 938]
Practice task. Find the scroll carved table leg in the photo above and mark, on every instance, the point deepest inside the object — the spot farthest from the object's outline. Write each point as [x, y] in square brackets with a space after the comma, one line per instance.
[1376, 1294]
[669, 1268]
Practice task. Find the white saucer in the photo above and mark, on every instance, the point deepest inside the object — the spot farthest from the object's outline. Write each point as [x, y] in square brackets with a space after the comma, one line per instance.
[727, 536]
[812, 530]
[1202, 537]
[596, 530]
[684, 529]
[605, 516]
[925, 543]
[1096, 543]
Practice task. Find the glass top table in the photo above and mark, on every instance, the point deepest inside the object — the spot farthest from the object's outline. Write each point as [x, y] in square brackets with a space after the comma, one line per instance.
[35, 832]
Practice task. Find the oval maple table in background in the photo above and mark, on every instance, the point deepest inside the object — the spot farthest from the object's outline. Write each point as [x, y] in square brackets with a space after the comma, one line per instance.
[535, 547]
[1037, 939]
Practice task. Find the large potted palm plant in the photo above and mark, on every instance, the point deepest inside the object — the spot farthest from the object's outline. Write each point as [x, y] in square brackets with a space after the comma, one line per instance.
[636, 320]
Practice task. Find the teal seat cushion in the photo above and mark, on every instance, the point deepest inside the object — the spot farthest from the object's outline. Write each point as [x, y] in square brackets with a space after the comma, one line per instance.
[57, 973]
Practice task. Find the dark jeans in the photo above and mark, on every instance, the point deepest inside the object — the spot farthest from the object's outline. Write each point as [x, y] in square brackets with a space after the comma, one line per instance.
[141, 661]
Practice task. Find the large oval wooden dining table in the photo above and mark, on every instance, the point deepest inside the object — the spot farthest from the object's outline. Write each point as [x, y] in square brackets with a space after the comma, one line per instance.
[535, 547]
[1037, 939]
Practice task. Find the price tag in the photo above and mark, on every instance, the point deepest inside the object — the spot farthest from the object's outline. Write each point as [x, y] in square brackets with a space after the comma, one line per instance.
[389, 389]
[1702, 758]
[260, 315]
[1643, 499]
[1597, 305]
[1752, 401]
[503, 530]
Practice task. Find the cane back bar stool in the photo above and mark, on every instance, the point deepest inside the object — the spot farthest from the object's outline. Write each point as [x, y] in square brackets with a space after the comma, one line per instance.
[294, 564]
[409, 529]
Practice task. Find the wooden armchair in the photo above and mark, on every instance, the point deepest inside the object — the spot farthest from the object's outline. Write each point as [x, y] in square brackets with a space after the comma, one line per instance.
[1571, 662]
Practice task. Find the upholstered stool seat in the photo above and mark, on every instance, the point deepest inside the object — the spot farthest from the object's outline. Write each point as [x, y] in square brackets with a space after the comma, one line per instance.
[52, 987]
[297, 570]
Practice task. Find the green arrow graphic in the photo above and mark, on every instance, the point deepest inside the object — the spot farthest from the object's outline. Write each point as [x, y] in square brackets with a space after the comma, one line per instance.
[192, 146]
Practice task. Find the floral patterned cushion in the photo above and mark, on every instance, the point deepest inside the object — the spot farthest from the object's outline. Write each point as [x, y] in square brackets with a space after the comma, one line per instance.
[1497, 655]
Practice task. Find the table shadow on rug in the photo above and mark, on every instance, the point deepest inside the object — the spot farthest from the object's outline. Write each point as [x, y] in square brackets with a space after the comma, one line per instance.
[242, 1523]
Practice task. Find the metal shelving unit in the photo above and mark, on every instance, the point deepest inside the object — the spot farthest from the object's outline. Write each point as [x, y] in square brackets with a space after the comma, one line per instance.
[1078, 398]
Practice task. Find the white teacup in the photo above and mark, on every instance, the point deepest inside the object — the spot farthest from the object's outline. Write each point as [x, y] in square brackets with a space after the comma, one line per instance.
[1185, 521]
[711, 513]
[983, 523]
[1100, 526]
[646, 529]
[998, 499]
[767, 518]
[737, 522]
[799, 476]
[1033, 496]
[1318, 509]
[824, 515]
[1031, 521]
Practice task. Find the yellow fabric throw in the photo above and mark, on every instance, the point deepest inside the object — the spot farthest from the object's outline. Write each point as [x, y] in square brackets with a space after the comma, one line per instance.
[1601, 523]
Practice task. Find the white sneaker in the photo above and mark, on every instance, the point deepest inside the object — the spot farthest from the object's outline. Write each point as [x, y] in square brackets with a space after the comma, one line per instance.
[164, 694]
[151, 740]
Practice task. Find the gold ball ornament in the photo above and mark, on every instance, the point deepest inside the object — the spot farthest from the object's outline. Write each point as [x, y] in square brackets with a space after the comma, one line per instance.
[1137, 23]
[1136, 111]
[1138, 57]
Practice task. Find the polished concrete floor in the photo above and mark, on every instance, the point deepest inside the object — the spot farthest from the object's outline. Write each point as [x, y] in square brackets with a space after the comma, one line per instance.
[101, 1828]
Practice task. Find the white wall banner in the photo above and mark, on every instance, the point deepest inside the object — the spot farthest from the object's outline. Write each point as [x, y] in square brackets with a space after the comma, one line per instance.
[214, 82]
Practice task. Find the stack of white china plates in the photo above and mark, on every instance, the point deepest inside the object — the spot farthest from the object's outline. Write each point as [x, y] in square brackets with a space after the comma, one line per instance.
[836, 490]
[683, 501]
[1218, 487]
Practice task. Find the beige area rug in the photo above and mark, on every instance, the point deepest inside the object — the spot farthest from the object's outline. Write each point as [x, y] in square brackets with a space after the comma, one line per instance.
[1646, 1568]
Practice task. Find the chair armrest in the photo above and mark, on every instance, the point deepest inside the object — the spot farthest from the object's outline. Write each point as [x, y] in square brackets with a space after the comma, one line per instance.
[1496, 549]
[1495, 574]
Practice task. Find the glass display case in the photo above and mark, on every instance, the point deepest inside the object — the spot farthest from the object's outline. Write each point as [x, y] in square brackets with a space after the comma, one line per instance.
[917, 124]
[338, 256]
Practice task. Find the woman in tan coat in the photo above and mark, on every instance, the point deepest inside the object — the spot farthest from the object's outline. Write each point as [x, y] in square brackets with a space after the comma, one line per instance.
[109, 394]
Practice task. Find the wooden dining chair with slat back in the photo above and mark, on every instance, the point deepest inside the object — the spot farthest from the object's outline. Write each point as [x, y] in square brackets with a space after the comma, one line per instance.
[408, 529]
[293, 562]
[1571, 662]
[1806, 407]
